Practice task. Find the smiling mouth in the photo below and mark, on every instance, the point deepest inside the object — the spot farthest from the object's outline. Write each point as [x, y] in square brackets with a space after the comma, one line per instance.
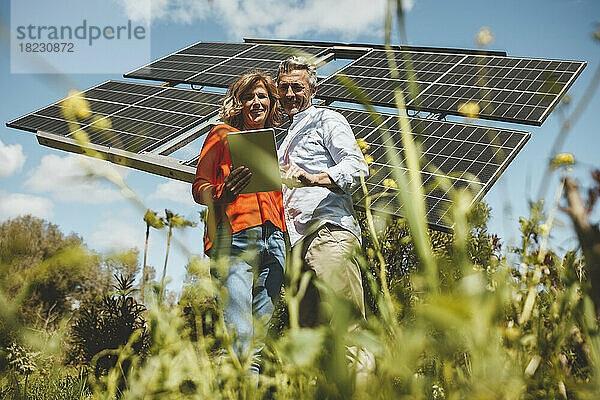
[257, 112]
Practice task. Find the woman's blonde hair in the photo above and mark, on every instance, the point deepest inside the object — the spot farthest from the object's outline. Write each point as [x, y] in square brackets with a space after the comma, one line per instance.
[231, 111]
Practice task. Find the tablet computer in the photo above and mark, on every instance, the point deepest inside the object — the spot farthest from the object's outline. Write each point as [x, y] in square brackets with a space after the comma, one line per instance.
[256, 151]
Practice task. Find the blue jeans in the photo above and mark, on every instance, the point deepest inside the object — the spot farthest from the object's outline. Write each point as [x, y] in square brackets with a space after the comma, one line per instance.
[253, 283]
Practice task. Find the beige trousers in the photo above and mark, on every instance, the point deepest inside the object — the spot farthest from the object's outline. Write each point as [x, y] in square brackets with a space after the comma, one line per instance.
[328, 254]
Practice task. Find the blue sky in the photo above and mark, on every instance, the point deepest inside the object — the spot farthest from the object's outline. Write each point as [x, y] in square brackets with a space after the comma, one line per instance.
[44, 182]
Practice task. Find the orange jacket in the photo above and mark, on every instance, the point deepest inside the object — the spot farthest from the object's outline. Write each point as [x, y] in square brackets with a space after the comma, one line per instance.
[248, 210]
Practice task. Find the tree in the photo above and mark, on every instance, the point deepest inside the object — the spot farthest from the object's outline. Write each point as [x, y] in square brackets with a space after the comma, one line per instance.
[51, 273]
[123, 263]
[174, 221]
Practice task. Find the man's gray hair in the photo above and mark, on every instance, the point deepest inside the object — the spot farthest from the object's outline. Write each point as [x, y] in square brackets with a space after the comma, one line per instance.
[294, 63]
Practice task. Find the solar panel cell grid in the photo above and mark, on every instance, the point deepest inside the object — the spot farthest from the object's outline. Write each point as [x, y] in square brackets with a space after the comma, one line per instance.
[467, 155]
[216, 49]
[141, 117]
[445, 81]
[218, 64]
[159, 116]
[33, 123]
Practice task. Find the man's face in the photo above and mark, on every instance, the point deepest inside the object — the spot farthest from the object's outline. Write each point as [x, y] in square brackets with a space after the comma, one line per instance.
[294, 91]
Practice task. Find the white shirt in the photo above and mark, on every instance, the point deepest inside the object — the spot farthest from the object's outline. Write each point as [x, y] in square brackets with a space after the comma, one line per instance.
[321, 140]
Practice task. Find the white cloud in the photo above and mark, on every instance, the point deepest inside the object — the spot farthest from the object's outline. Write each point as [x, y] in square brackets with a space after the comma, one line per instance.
[116, 234]
[11, 158]
[174, 191]
[15, 204]
[270, 18]
[68, 179]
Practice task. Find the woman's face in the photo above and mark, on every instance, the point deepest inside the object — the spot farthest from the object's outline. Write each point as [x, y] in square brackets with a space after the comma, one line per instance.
[257, 105]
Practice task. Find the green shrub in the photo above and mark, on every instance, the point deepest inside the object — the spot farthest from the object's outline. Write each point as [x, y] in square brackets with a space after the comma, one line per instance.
[100, 330]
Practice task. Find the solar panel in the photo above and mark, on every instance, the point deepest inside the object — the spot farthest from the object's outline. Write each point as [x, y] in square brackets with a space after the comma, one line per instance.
[512, 89]
[159, 119]
[467, 155]
[219, 64]
[142, 117]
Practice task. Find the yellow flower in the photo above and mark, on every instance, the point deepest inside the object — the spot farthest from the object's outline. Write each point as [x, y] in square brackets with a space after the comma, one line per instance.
[484, 37]
[390, 183]
[370, 253]
[469, 109]
[100, 123]
[82, 137]
[362, 143]
[368, 159]
[75, 106]
[562, 159]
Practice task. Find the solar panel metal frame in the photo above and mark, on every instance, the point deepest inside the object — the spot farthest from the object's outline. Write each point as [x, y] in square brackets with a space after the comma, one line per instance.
[166, 166]
[452, 111]
[365, 46]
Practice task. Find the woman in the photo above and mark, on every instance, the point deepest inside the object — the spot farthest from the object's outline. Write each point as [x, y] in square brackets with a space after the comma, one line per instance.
[246, 228]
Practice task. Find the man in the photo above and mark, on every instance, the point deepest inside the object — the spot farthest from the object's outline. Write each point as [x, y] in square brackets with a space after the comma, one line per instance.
[322, 164]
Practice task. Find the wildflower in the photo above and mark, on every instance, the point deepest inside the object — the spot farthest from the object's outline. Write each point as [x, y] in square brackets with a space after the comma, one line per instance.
[82, 137]
[368, 159]
[100, 123]
[75, 106]
[390, 183]
[562, 159]
[469, 109]
[363, 145]
[484, 37]
[370, 252]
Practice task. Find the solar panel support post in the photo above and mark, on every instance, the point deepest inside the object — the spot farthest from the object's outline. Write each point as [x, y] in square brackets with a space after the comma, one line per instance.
[153, 163]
